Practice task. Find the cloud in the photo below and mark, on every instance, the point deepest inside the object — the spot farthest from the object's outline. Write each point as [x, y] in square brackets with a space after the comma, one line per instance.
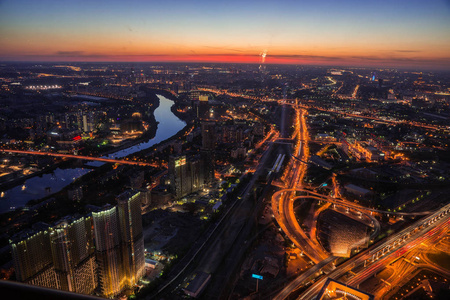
[224, 48]
[402, 59]
[383, 59]
[69, 53]
[302, 56]
[407, 51]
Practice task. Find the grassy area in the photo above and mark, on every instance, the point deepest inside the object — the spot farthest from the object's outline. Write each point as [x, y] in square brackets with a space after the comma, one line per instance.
[441, 259]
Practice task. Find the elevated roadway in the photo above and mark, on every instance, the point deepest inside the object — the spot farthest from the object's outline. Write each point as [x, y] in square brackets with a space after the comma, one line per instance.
[106, 160]
[371, 259]
[352, 205]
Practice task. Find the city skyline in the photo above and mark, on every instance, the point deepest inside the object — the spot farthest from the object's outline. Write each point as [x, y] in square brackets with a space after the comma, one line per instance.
[270, 149]
[411, 34]
[165, 180]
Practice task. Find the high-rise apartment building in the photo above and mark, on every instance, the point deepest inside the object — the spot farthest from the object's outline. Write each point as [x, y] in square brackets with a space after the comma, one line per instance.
[108, 254]
[32, 259]
[105, 250]
[186, 175]
[73, 255]
[60, 257]
[208, 135]
[120, 243]
[178, 176]
[129, 210]
[207, 151]
[86, 120]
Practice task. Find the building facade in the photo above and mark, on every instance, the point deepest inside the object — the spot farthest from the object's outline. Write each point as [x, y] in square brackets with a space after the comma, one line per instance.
[107, 251]
[186, 175]
[73, 255]
[32, 258]
[60, 257]
[133, 256]
[102, 253]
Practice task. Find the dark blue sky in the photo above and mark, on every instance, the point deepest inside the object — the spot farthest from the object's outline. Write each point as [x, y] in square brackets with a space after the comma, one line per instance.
[351, 32]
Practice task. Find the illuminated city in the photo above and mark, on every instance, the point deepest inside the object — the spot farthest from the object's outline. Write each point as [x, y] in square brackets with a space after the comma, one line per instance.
[300, 154]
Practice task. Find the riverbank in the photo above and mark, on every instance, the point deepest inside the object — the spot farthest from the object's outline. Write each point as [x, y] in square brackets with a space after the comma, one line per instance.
[169, 141]
[186, 117]
[153, 100]
[58, 203]
[147, 136]
[169, 128]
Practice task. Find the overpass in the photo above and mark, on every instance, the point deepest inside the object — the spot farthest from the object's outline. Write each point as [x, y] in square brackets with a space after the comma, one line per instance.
[106, 160]
[395, 245]
[351, 205]
[283, 210]
[399, 238]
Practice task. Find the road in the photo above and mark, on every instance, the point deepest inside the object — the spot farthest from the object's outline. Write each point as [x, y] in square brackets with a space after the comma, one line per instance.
[210, 249]
[352, 205]
[415, 239]
[408, 265]
[107, 160]
[405, 265]
[229, 240]
[283, 210]
[306, 107]
[295, 284]
[283, 200]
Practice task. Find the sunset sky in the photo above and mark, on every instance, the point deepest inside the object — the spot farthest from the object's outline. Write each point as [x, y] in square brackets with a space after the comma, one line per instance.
[374, 33]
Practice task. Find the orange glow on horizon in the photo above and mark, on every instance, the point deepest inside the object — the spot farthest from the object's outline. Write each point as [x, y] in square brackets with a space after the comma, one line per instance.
[226, 58]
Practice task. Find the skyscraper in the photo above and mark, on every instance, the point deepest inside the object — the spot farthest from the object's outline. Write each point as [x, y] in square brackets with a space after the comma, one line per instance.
[86, 120]
[186, 175]
[32, 259]
[60, 257]
[119, 244]
[107, 244]
[208, 135]
[203, 107]
[207, 151]
[133, 259]
[73, 255]
[178, 175]
[64, 257]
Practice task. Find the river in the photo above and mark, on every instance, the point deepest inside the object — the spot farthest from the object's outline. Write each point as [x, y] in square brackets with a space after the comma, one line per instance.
[40, 186]
[169, 125]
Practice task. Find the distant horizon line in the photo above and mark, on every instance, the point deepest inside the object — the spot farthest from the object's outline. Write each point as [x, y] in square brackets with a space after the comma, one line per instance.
[362, 66]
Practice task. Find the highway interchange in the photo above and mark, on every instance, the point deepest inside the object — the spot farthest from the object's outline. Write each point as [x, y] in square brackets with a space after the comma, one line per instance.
[367, 262]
